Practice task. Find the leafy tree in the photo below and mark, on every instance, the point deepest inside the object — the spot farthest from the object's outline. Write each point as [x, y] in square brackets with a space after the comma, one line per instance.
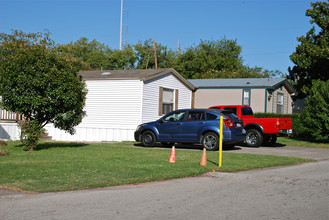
[95, 54]
[40, 84]
[209, 58]
[311, 57]
[145, 55]
[215, 59]
[122, 59]
[249, 72]
[314, 121]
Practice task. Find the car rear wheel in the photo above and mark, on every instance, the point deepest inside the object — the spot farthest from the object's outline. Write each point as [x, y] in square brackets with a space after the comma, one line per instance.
[210, 141]
[254, 138]
[148, 139]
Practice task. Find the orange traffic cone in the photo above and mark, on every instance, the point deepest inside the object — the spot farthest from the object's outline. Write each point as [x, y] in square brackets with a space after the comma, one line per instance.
[203, 161]
[172, 155]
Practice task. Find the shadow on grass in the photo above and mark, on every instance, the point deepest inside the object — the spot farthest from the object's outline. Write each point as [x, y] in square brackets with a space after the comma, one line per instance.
[186, 146]
[177, 146]
[49, 145]
[212, 162]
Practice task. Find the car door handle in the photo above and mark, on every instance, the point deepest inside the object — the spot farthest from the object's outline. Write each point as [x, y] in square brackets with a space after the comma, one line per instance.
[179, 124]
[201, 123]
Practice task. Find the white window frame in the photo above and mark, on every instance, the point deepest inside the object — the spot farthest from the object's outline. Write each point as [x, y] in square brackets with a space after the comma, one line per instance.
[280, 103]
[246, 97]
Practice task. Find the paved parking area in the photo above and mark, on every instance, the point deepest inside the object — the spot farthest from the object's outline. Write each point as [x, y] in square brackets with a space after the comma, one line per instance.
[305, 152]
[291, 192]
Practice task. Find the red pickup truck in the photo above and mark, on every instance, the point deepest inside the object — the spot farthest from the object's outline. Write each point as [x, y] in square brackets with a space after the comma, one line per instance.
[259, 131]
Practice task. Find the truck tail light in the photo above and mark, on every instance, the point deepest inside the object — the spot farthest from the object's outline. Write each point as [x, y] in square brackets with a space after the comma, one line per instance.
[229, 123]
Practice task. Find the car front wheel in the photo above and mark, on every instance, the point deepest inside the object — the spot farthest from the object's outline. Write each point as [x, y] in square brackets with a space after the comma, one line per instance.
[148, 139]
[210, 141]
[254, 138]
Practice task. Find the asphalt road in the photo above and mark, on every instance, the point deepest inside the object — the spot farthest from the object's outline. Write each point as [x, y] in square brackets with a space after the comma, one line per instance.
[293, 192]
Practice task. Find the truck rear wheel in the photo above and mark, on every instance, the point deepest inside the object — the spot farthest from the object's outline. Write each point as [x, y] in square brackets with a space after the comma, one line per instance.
[253, 138]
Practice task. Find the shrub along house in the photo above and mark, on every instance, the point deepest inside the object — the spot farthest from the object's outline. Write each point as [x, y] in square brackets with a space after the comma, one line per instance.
[269, 95]
[119, 100]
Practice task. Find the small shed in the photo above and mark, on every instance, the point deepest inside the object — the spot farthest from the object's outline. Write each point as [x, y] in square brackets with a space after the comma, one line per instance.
[119, 100]
[269, 95]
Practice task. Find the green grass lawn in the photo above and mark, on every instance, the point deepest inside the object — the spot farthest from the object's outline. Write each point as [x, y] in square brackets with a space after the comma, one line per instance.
[299, 143]
[72, 166]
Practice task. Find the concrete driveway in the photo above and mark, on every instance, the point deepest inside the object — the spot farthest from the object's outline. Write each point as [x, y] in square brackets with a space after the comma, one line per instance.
[293, 192]
[279, 150]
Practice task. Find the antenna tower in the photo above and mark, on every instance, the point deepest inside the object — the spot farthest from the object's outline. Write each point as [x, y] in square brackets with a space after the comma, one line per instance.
[120, 45]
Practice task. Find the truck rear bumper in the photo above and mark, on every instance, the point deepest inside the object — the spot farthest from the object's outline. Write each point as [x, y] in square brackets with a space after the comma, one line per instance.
[285, 132]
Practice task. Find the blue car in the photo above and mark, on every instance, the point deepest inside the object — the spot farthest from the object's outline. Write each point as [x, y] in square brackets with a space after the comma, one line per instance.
[198, 126]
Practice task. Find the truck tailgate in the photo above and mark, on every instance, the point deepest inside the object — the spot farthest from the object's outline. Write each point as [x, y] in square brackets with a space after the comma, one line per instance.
[285, 123]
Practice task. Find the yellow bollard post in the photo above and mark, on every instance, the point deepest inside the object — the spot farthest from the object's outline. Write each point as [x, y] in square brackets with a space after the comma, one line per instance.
[220, 141]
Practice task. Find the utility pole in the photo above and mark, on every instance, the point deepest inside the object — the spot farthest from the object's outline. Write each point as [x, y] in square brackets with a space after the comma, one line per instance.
[155, 55]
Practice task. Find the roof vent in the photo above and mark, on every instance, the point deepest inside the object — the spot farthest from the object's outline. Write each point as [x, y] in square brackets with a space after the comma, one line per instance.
[106, 74]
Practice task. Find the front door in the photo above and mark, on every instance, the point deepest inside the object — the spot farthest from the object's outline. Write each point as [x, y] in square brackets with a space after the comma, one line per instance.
[171, 127]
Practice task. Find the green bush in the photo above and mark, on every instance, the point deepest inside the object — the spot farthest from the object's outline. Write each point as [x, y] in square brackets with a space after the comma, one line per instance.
[314, 121]
[31, 134]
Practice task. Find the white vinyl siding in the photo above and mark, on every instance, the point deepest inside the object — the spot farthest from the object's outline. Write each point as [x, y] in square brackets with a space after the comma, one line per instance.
[151, 94]
[112, 104]
[113, 110]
